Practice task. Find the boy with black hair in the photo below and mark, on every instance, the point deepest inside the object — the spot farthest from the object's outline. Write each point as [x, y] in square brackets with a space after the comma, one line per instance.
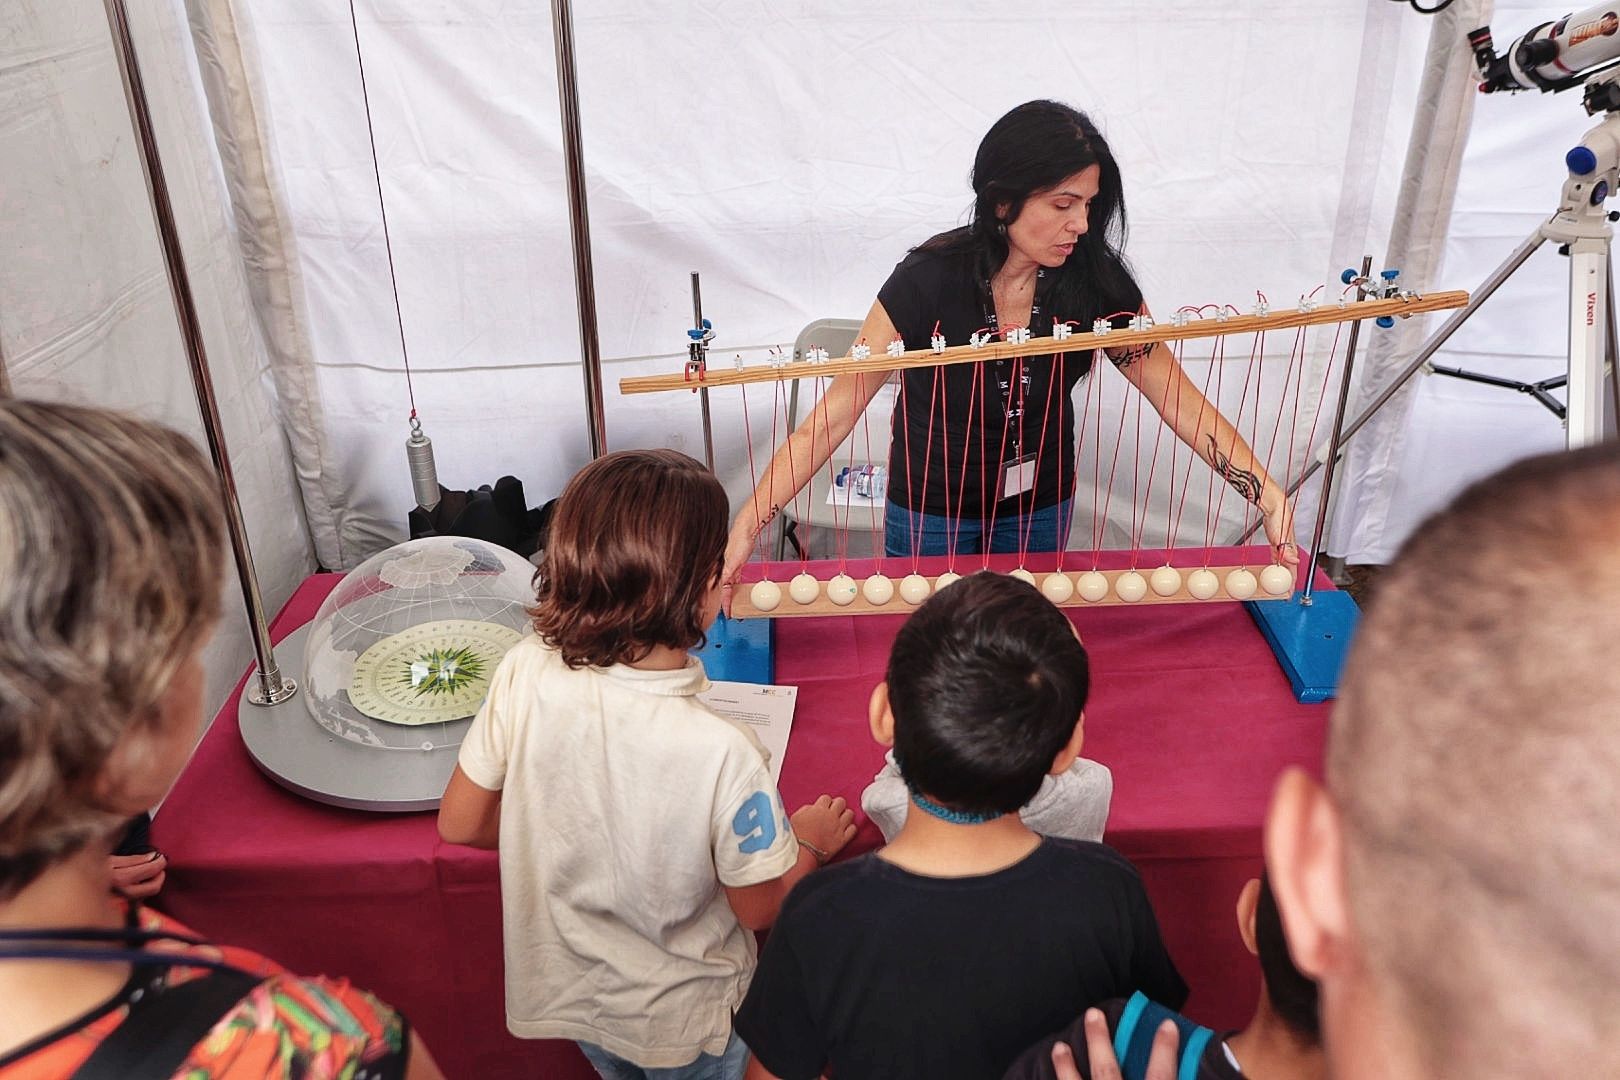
[1283, 1041]
[948, 952]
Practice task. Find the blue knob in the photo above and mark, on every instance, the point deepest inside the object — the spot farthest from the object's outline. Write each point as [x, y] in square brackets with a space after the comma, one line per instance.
[1348, 276]
[1581, 161]
[1386, 321]
[695, 334]
[1389, 275]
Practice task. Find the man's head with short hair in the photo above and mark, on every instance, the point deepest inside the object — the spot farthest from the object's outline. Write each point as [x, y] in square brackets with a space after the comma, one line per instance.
[1456, 889]
[986, 683]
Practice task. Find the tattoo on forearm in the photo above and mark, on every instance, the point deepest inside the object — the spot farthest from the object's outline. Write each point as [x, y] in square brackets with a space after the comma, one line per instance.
[770, 517]
[1245, 483]
[1129, 356]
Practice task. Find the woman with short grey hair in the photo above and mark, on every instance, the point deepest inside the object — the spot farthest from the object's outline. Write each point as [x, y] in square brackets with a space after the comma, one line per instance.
[110, 565]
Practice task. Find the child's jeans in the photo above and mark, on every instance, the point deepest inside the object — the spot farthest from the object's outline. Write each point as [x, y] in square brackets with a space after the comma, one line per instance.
[728, 1066]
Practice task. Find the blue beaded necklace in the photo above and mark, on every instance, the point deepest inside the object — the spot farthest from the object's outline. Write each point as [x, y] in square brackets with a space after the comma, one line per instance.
[945, 813]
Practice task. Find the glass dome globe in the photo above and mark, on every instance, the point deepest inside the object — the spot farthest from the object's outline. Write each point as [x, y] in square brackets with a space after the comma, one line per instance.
[401, 652]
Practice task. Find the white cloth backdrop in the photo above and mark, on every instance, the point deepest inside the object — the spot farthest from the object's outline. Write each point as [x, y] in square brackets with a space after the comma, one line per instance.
[790, 153]
[85, 312]
[1447, 433]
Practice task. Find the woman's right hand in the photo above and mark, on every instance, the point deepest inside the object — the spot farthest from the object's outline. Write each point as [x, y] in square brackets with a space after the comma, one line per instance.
[827, 824]
[739, 548]
[138, 876]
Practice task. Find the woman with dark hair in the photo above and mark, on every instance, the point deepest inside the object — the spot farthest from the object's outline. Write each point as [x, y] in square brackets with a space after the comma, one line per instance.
[979, 448]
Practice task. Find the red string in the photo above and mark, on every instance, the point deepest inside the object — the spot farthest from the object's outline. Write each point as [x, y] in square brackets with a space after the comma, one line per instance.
[1243, 402]
[1001, 455]
[1321, 399]
[793, 479]
[1040, 448]
[1251, 510]
[1186, 476]
[1296, 355]
[1170, 501]
[954, 525]
[1153, 464]
[849, 476]
[916, 529]
[1113, 470]
[1079, 449]
[748, 439]
[1096, 467]
[871, 504]
[1211, 509]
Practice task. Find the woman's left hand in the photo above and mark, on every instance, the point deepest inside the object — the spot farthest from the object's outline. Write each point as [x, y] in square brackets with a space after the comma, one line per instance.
[1280, 527]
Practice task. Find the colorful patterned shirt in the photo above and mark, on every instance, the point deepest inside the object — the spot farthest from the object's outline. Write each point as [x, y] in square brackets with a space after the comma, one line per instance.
[285, 1027]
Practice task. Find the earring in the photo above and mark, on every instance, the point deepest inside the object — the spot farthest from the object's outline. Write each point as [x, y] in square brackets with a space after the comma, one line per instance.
[1001, 227]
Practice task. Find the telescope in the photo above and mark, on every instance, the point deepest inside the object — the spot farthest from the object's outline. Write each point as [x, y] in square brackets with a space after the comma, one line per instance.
[1556, 56]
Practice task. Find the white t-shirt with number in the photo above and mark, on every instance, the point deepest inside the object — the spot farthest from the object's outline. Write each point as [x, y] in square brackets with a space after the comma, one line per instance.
[625, 805]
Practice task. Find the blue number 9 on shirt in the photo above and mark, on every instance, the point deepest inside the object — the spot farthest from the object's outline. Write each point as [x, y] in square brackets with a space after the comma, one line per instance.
[755, 823]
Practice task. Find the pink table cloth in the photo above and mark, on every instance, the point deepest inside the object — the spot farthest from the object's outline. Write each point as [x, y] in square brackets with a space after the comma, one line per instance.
[1188, 708]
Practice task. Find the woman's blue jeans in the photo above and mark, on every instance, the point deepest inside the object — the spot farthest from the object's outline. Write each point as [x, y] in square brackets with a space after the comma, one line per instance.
[1047, 529]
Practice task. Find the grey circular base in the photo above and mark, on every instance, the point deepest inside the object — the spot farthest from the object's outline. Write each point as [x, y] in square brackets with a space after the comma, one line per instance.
[305, 758]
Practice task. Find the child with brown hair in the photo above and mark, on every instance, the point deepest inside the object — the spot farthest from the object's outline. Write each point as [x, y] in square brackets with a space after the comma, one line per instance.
[641, 837]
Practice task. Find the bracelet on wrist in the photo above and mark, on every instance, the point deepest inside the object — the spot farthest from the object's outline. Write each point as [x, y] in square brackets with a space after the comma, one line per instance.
[822, 857]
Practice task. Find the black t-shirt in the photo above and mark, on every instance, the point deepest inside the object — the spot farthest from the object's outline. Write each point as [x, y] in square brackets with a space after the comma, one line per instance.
[872, 971]
[1036, 1062]
[977, 407]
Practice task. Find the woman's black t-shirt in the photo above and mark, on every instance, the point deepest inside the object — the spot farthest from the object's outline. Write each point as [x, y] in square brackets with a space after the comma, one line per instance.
[983, 414]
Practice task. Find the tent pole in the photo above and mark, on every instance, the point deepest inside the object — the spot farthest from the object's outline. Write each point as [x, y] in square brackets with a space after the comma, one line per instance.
[270, 687]
[562, 25]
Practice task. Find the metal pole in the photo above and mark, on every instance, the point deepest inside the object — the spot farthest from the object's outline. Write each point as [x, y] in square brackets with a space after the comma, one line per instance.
[562, 25]
[271, 687]
[5, 380]
[702, 350]
[1333, 444]
[1611, 353]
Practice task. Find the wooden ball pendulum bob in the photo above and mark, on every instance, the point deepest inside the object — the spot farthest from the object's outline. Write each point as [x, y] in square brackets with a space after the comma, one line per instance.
[1165, 581]
[878, 589]
[765, 595]
[914, 588]
[804, 589]
[842, 590]
[1241, 584]
[1092, 586]
[1131, 586]
[1203, 584]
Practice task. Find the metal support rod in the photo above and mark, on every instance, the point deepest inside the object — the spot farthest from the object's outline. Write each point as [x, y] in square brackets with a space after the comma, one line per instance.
[271, 687]
[1421, 360]
[700, 350]
[1333, 442]
[1611, 352]
[579, 224]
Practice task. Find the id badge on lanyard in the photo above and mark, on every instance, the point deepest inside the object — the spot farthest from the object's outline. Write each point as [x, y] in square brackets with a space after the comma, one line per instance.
[1016, 472]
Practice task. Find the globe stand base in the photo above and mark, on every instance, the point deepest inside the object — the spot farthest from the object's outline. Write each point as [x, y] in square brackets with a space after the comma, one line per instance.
[287, 744]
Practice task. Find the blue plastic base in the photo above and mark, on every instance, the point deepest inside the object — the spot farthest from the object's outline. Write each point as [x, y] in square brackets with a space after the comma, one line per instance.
[740, 650]
[1310, 642]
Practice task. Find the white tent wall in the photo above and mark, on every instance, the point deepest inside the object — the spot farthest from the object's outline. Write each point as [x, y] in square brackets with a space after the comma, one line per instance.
[791, 153]
[1449, 433]
[85, 309]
